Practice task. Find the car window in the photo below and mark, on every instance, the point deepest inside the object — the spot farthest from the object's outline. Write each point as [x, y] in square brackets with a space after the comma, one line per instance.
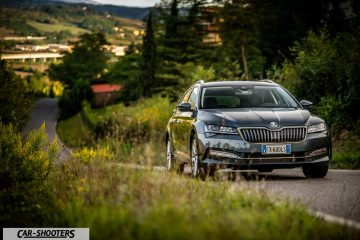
[193, 97]
[246, 97]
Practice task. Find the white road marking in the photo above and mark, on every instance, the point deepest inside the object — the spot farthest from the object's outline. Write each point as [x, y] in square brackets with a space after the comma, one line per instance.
[334, 219]
[343, 170]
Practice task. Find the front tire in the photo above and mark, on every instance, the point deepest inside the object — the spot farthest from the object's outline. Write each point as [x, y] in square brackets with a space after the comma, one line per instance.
[315, 171]
[197, 168]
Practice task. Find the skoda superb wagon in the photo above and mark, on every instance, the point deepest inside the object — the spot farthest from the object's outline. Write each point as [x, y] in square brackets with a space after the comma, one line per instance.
[245, 125]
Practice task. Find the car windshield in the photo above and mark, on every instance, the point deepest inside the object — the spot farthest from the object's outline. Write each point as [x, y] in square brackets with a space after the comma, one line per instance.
[246, 97]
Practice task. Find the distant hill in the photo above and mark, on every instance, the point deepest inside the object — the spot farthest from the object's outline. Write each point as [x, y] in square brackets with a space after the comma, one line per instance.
[63, 21]
[120, 11]
[79, 1]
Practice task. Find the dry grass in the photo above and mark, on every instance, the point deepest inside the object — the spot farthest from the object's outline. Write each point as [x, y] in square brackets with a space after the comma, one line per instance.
[118, 202]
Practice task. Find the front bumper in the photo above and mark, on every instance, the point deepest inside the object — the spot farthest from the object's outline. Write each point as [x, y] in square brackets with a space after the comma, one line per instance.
[231, 151]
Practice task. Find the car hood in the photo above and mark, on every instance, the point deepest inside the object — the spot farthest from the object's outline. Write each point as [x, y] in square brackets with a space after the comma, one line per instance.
[258, 117]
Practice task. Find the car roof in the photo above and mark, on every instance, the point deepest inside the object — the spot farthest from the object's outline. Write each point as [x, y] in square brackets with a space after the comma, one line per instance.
[239, 83]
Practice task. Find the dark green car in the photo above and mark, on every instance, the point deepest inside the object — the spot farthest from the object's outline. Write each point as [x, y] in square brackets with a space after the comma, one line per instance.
[246, 125]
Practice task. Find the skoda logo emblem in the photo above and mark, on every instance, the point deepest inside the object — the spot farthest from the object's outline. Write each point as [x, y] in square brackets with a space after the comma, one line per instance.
[273, 125]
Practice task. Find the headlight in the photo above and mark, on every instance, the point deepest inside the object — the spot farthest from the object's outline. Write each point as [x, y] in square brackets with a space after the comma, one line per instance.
[316, 128]
[211, 130]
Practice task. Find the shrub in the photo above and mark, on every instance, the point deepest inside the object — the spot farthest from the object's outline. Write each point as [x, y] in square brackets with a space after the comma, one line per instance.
[326, 71]
[135, 123]
[40, 85]
[25, 196]
[15, 100]
[70, 101]
[331, 109]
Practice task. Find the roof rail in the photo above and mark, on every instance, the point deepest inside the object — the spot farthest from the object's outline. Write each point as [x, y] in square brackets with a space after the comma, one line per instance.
[266, 80]
[200, 81]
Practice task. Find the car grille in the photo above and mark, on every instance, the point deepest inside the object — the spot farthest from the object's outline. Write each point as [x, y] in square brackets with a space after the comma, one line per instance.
[289, 134]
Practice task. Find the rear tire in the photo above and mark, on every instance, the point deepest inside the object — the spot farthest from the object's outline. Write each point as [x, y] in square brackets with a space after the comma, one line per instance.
[170, 161]
[169, 157]
[315, 171]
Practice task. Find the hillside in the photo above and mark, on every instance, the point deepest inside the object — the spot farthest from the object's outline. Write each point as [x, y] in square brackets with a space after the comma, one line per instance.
[61, 21]
[79, 1]
[120, 11]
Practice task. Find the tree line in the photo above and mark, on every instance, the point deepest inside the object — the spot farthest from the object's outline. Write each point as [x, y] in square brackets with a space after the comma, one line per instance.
[311, 47]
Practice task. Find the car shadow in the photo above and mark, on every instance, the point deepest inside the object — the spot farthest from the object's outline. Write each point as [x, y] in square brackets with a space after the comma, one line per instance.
[254, 176]
[250, 176]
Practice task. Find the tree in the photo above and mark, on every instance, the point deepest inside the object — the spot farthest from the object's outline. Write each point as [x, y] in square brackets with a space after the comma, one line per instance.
[182, 40]
[179, 42]
[326, 72]
[126, 72]
[87, 61]
[71, 101]
[259, 34]
[238, 34]
[172, 21]
[15, 100]
[149, 60]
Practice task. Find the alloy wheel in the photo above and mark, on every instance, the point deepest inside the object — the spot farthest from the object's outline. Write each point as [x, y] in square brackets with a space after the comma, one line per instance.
[194, 159]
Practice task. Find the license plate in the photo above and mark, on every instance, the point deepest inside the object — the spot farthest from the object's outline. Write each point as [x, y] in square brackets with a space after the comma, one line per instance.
[276, 149]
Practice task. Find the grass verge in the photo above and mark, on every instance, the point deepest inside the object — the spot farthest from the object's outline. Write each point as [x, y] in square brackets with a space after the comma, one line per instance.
[74, 133]
[117, 202]
[346, 151]
[345, 160]
[126, 131]
[92, 190]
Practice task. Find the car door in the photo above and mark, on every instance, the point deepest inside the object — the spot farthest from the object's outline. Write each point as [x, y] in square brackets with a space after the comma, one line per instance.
[176, 126]
[188, 119]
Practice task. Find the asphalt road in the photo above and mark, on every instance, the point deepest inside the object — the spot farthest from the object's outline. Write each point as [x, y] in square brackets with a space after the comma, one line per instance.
[337, 194]
[45, 110]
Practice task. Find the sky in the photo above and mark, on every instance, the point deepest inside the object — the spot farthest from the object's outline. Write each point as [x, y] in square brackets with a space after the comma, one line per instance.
[136, 3]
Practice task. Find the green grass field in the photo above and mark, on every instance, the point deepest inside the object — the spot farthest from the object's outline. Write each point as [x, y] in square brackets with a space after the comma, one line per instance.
[43, 27]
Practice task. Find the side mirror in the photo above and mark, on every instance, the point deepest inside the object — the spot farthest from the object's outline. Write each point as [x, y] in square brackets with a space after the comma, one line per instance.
[184, 107]
[306, 104]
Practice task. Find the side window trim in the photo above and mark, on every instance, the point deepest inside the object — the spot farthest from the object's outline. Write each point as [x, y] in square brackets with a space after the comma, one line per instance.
[197, 96]
[186, 96]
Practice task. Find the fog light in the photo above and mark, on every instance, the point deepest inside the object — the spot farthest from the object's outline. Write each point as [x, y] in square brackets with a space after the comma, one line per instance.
[318, 152]
[222, 154]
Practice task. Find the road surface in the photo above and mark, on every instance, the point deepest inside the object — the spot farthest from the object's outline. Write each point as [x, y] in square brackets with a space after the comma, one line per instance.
[45, 110]
[337, 194]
